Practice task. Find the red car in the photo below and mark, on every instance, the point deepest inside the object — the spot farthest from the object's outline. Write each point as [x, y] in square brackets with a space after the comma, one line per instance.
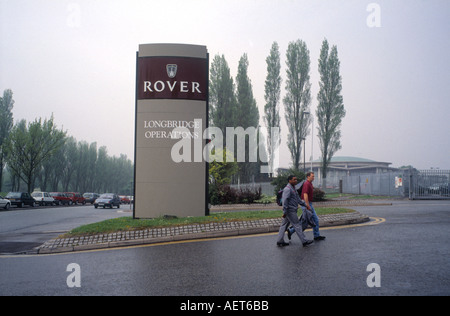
[124, 199]
[61, 198]
[76, 198]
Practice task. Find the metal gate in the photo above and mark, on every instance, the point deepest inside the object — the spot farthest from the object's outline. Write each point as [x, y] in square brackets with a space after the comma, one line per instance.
[429, 184]
[381, 184]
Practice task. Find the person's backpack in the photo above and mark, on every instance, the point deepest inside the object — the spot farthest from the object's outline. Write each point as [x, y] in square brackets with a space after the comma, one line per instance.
[299, 188]
[280, 198]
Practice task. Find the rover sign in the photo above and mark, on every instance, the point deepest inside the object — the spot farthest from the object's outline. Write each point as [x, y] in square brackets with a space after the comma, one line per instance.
[173, 78]
[171, 93]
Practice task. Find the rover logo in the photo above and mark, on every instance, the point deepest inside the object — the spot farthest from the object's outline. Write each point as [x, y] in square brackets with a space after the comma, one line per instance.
[172, 70]
[172, 78]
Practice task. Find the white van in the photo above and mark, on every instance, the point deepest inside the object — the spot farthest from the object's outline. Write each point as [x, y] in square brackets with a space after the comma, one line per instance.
[43, 198]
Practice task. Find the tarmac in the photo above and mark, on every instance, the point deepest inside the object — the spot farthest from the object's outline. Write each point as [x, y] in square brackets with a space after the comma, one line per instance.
[196, 232]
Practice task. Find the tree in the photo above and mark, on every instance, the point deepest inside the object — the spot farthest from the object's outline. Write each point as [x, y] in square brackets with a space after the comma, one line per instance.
[13, 165]
[245, 116]
[29, 146]
[330, 110]
[91, 168]
[40, 155]
[272, 93]
[6, 125]
[79, 167]
[220, 174]
[298, 98]
[102, 169]
[222, 99]
[247, 113]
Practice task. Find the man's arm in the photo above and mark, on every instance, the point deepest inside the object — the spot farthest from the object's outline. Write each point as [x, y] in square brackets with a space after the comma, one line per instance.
[286, 195]
[306, 199]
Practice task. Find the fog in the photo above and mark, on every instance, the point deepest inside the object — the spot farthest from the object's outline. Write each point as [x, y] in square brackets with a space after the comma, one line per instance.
[77, 60]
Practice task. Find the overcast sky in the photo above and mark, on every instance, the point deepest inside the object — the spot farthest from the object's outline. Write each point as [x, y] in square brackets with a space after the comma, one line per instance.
[76, 59]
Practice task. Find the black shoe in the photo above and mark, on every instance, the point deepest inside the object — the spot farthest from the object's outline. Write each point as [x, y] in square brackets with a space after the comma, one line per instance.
[289, 234]
[319, 238]
[308, 242]
[282, 244]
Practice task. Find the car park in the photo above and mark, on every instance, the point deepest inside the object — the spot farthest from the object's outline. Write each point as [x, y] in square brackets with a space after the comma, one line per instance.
[124, 199]
[76, 198]
[61, 198]
[4, 203]
[91, 197]
[439, 189]
[107, 200]
[43, 198]
[445, 189]
[20, 199]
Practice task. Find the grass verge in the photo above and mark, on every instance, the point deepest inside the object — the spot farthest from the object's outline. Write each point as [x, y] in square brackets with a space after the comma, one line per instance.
[130, 224]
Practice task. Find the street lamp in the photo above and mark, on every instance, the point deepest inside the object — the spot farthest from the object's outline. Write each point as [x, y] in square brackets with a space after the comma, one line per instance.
[304, 155]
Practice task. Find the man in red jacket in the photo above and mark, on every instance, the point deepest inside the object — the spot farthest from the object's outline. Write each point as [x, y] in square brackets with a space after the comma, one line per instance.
[307, 196]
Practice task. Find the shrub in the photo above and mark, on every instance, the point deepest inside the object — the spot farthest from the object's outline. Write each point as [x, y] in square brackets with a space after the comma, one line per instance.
[319, 195]
[248, 196]
[228, 195]
[266, 199]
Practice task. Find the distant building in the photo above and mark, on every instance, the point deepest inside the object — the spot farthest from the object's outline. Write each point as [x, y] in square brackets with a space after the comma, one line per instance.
[340, 167]
[350, 166]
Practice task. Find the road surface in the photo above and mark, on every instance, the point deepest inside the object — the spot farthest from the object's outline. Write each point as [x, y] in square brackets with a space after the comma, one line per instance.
[411, 248]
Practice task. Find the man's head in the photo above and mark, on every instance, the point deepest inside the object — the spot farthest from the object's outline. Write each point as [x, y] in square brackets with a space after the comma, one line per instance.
[292, 180]
[310, 176]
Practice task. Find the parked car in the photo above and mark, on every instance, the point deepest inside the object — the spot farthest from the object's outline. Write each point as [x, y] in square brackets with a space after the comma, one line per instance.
[107, 200]
[439, 188]
[61, 198]
[433, 189]
[43, 198]
[124, 199]
[76, 198]
[91, 197]
[443, 189]
[5, 204]
[20, 199]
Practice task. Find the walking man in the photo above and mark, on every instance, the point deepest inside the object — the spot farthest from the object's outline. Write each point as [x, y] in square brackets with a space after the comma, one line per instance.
[291, 201]
[307, 196]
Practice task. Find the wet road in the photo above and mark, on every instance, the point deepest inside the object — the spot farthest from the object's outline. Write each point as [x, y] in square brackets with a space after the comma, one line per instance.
[23, 229]
[411, 248]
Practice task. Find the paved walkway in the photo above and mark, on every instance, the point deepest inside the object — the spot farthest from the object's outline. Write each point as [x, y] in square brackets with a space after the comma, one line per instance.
[274, 206]
[189, 232]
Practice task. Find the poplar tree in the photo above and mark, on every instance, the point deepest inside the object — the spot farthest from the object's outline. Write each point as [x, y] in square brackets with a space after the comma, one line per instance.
[272, 94]
[330, 110]
[298, 98]
[246, 115]
[222, 99]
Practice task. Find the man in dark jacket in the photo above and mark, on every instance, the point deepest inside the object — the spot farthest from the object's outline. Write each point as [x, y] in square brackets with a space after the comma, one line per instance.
[291, 201]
